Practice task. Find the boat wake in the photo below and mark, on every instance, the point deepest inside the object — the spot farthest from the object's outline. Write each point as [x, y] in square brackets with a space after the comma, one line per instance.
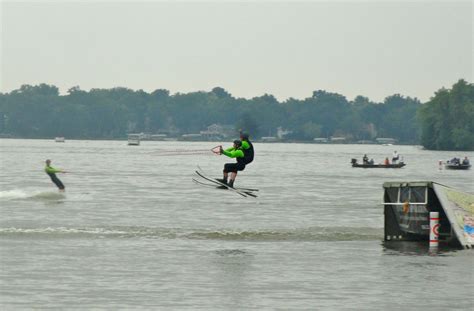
[307, 234]
[18, 194]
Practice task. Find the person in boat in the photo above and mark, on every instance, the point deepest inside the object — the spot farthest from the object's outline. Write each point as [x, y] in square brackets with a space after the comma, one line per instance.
[233, 152]
[371, 162]
[454, 161]
[365, 159]
[51, 171]
[386, 162]
[247, 148]
[395, 157]
[465, 161]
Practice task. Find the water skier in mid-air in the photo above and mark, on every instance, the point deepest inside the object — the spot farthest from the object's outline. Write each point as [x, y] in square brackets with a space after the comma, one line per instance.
[233, 152]
[243, 152]
[51, 171]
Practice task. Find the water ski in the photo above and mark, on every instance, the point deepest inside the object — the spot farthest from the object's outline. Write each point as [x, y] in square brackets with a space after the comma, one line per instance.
[211, 182]
[217, 179]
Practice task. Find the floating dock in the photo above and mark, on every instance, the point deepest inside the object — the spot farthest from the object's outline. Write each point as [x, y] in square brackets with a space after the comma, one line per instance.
[407, 207]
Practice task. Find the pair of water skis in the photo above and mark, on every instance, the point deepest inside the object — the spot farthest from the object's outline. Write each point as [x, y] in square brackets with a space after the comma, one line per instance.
[211, 182]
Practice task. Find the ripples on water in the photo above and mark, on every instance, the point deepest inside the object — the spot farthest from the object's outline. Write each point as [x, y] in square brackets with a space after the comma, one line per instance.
[133, 231]
[307, 234]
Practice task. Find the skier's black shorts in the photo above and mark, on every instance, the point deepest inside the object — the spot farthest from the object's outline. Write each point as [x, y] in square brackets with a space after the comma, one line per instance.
[56, 181]
[233, 167]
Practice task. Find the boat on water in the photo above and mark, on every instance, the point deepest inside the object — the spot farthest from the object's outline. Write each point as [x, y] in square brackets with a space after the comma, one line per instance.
[457, 164]
[134, 139]
[59, 139]
[407, 207]
[368, 165]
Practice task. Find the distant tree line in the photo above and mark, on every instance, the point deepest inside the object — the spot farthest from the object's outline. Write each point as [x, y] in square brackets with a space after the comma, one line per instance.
[40, 112]
[447, 120]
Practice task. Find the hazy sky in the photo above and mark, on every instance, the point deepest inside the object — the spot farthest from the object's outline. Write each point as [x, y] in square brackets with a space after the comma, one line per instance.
[370, 48]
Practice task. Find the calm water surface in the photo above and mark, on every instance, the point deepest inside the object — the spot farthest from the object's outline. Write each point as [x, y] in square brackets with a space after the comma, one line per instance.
[133, 231]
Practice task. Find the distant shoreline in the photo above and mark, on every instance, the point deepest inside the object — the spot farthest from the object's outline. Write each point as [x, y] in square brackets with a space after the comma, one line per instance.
[196, 141]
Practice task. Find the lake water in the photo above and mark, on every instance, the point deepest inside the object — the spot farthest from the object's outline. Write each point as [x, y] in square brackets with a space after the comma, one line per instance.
[132, 231]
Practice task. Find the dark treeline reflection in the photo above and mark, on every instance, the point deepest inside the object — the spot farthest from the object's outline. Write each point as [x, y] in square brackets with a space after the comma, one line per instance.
[445, 122]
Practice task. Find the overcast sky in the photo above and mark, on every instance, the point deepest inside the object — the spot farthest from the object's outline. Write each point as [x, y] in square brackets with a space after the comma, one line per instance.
[370, 48]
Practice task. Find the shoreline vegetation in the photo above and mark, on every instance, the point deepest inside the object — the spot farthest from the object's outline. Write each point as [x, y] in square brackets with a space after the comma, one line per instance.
[39, 112]
[124, 139]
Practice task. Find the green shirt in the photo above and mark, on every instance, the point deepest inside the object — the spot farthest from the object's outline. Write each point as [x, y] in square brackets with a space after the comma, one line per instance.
[233, 153]
[245, 145]
[51, 170]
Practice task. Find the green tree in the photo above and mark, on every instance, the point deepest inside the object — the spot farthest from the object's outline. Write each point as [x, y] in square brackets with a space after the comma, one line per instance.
[447, 119]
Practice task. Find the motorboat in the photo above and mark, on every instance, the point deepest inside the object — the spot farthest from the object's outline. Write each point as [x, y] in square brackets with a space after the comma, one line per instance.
[369, 165]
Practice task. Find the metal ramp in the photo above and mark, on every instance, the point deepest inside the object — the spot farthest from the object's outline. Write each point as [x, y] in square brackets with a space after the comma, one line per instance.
[407, 206]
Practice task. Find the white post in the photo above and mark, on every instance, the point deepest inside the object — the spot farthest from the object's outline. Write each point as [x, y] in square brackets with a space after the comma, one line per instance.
[434, 229]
